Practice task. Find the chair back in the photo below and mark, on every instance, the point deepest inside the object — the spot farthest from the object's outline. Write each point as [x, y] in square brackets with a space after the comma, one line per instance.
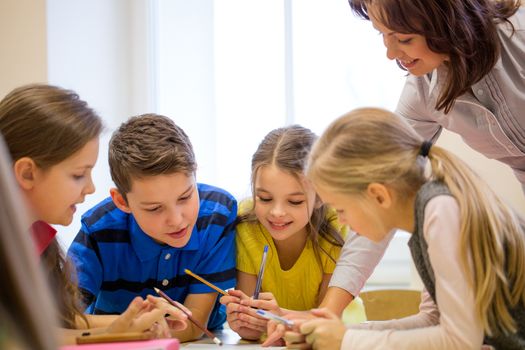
[387, 304]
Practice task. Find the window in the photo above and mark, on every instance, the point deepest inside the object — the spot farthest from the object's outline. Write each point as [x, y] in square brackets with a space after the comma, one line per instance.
[229, 71]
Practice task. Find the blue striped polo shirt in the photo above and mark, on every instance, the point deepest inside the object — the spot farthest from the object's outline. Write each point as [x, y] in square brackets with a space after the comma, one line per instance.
[116, 261]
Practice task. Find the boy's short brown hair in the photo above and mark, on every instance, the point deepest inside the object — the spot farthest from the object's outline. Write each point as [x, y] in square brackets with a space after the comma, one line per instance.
[148, 145]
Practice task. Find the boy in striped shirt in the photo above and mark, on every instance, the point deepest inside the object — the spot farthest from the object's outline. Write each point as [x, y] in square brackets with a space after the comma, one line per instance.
[157, 222]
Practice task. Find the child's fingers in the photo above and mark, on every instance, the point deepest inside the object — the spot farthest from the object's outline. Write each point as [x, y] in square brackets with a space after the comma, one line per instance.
[235, 325]
[177, 325]
[225, 300]
[238, 293]
[146, 320]
[310, 325]
[172, 311]
[275, 332]
[241, 309]
[295, 340]
[253, 322]
[261, 304]
[233, 307]
[266, 296]
[123, 322]
[161, 329]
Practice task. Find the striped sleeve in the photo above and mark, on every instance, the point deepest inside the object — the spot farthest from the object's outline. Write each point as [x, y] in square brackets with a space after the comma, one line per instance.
[85, 256]
[218, 260]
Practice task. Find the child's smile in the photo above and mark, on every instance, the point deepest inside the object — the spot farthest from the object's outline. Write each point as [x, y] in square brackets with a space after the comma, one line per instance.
[279, 226]
[283, 203]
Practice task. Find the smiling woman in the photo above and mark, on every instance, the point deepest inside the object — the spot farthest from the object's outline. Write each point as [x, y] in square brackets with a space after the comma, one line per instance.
[409, 50]
[462, 57]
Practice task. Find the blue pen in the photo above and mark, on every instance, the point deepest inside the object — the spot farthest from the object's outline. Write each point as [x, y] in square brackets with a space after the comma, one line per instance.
[261, 273]
[268, 315]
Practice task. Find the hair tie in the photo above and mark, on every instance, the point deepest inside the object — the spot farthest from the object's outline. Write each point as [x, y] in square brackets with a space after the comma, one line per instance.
[425, 148]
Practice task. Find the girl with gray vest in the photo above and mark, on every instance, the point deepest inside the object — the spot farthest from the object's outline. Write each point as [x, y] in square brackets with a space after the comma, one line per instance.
[468, 246]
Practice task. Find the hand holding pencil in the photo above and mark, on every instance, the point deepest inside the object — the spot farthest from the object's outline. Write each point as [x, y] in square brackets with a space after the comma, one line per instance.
[190, 317]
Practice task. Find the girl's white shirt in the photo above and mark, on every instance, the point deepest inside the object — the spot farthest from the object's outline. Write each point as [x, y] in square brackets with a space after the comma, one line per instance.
[454, 324]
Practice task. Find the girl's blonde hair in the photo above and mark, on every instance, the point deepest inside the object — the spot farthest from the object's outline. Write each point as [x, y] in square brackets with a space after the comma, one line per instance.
[49, 124]
[375, 146]
[287, 148]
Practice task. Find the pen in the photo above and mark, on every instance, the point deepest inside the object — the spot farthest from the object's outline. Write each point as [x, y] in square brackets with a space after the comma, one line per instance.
[261, 273]
[190, 317]
[268, 315]
[206, 282]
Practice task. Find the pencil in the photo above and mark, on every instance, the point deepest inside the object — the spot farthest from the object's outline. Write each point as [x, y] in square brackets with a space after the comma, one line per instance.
[261, 273]
[190, 317]
[206, 282]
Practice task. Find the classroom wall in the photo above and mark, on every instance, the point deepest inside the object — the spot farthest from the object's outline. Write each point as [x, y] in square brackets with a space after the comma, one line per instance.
[23, 43]
[100, 49]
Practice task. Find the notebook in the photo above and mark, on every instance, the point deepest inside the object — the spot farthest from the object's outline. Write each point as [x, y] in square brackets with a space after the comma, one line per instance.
[155, 344]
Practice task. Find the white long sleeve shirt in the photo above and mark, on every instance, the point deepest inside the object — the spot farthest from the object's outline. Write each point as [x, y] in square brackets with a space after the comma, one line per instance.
[454, 325]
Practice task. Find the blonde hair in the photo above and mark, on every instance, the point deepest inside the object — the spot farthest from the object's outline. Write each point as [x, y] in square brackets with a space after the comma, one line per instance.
[287, 148]
[27, 312]
[375, 146]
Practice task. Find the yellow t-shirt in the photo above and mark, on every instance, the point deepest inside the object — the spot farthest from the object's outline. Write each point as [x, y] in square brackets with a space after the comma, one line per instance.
[298, 287]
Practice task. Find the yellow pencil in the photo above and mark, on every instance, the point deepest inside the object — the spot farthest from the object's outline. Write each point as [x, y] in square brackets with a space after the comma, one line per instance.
[206, 282]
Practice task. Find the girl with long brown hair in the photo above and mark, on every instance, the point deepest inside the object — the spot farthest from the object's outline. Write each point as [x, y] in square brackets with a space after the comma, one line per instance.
[303, 235]
[53, 138]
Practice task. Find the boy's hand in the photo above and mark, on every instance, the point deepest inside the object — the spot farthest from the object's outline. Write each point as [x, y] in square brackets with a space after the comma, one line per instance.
[177, 320]
[141, 316]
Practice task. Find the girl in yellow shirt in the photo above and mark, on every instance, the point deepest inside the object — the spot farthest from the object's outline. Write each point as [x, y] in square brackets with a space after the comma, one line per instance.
[303, 235]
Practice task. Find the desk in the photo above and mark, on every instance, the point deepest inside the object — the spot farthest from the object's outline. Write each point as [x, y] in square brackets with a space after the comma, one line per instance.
[230, 340]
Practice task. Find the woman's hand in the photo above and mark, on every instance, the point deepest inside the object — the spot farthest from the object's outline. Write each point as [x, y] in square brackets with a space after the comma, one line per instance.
[141, 316]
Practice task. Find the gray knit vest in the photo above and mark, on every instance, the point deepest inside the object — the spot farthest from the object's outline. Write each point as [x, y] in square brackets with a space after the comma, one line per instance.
[419, 250]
